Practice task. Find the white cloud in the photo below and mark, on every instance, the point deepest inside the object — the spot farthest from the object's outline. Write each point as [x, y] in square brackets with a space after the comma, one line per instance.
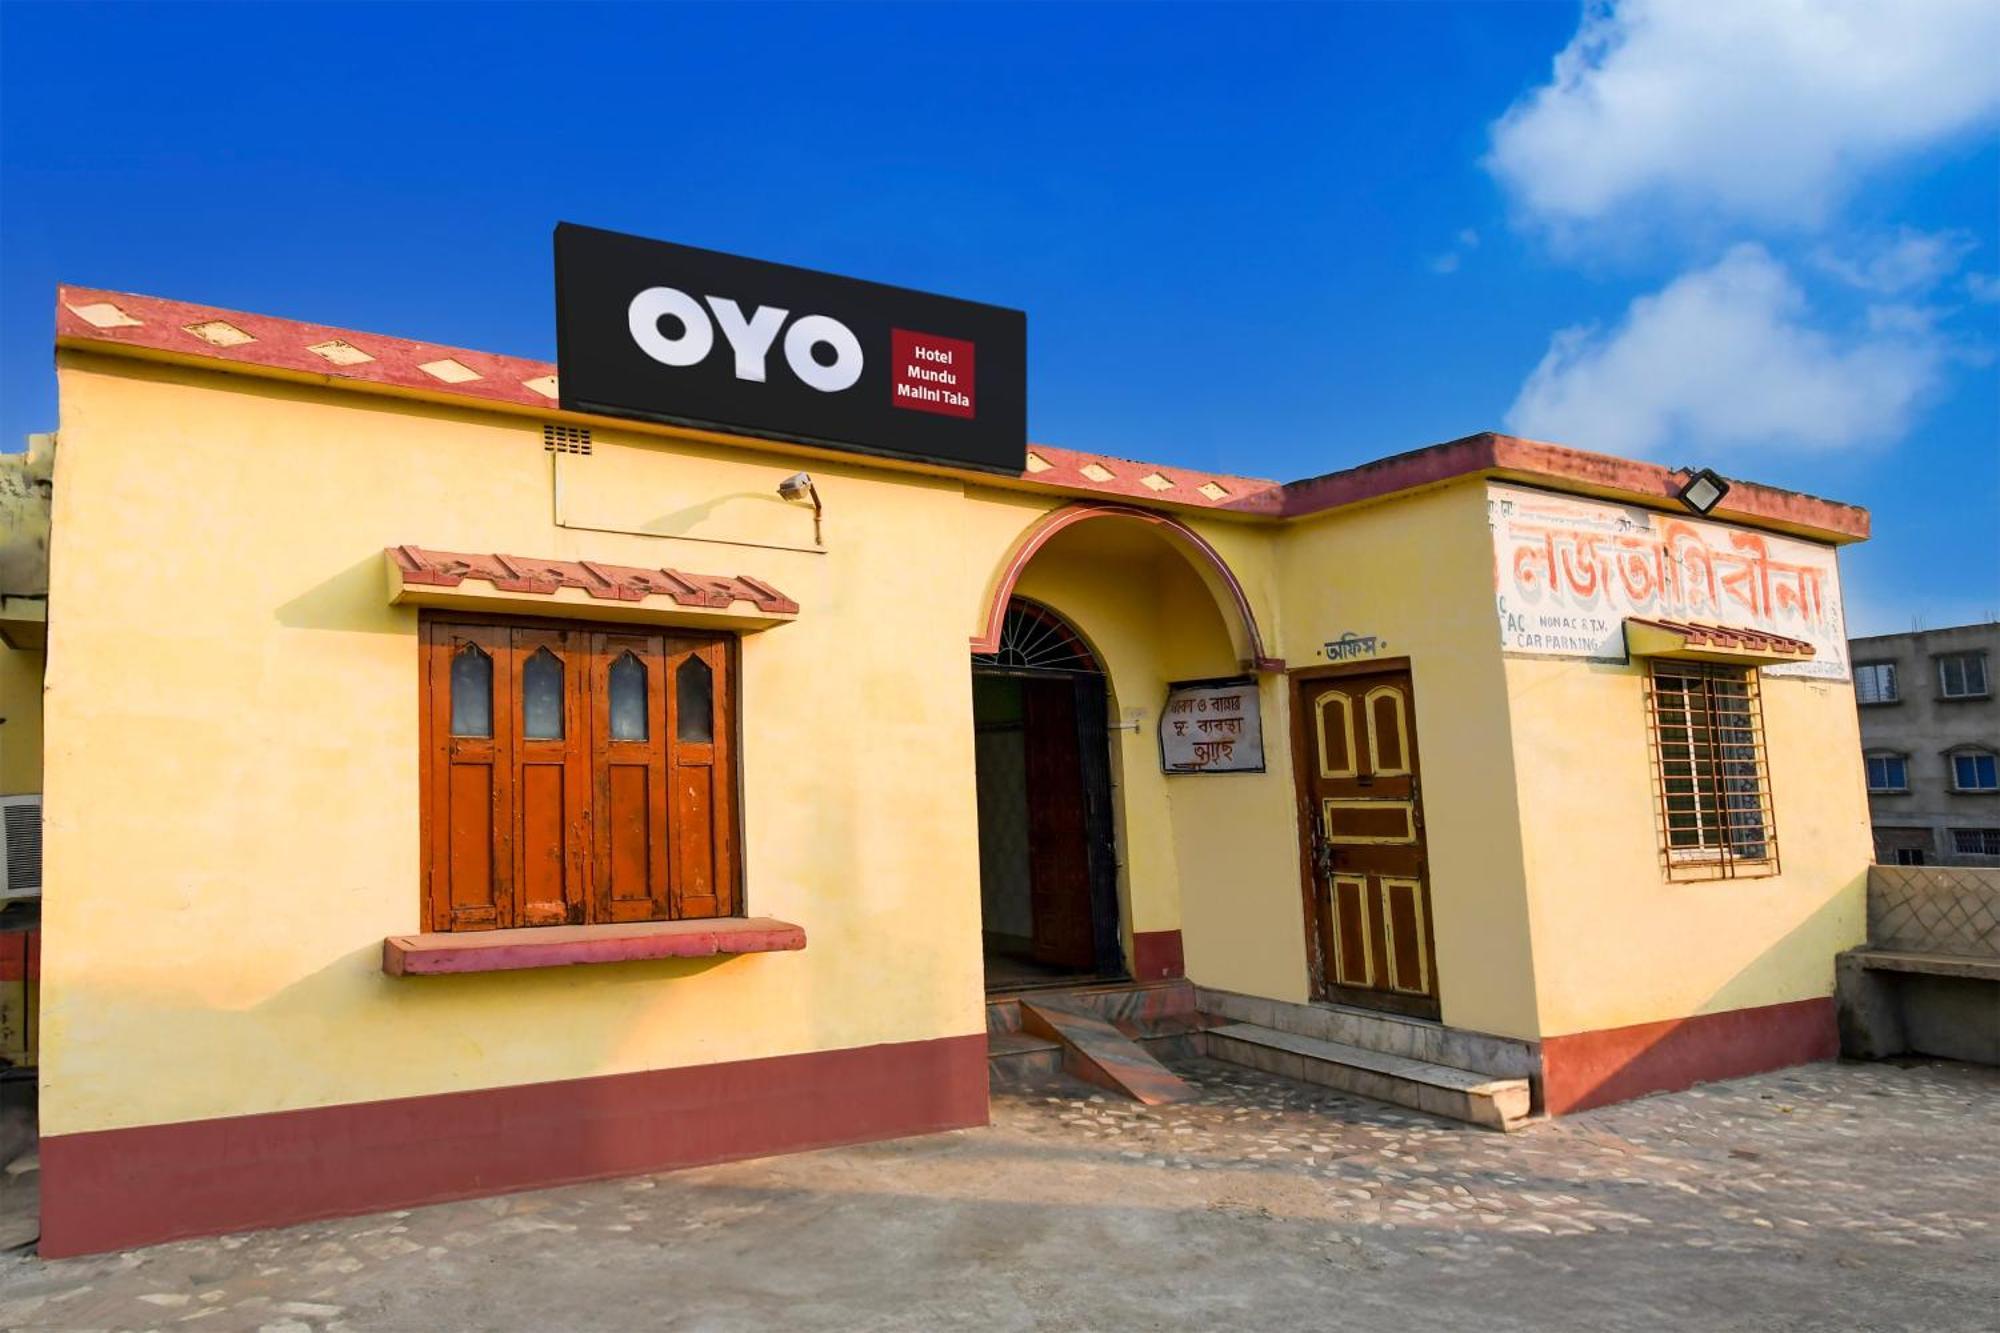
[1913, 261]
[1724, 357]
[1766, 110]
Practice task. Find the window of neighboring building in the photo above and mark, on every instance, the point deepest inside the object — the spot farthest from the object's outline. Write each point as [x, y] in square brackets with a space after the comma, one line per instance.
[1962, 675]
[1708, 752]
[1976, 841]
[1910, 856]
[1887, 773]
[1975, 770]
[1875, 683]
[575, 774]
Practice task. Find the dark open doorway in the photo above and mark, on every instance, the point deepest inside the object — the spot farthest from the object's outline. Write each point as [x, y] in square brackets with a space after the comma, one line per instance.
[1047, 857]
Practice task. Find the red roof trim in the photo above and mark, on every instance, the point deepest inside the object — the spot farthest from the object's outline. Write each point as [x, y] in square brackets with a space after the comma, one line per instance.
[609, 583]
[150, 324]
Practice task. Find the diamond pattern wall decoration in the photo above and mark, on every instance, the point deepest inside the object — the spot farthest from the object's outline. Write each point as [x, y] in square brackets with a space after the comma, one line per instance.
[1935, 909]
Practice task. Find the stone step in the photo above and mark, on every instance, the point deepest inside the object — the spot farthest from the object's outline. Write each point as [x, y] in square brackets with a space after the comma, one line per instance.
[1135, 1008]
[1392, 1034]
[1096, 1052]
[1020, 1061]
[1460, 1094]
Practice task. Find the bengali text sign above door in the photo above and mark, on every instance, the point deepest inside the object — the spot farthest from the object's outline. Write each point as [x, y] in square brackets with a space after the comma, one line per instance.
[1568, 572]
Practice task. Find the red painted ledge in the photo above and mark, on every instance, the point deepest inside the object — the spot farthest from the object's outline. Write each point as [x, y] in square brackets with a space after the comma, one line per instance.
[562, 946]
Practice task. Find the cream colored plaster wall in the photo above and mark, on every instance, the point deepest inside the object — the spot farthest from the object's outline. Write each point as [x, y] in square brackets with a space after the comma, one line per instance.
[1615, 942]
[1235, 835]
[232, 817]
[1417, 574]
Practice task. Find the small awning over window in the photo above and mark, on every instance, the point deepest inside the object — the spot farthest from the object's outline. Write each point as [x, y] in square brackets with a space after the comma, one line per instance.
[582, 589]
[1690, 641]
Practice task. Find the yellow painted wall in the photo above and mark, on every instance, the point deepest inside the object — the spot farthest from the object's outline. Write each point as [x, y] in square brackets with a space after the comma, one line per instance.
[1417, 574]
[1615, 943]
[232, 821]
[231, 758]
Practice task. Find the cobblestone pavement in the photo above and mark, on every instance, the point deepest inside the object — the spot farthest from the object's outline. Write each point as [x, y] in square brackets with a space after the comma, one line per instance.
[1834, 1196]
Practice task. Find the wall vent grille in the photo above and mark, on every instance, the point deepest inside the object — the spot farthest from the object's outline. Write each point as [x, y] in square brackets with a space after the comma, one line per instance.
[566, 439]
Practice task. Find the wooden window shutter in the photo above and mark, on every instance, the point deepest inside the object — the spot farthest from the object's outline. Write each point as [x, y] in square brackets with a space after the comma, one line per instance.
[469, 813]
[701, 814]
[629, 734]
[551, 776]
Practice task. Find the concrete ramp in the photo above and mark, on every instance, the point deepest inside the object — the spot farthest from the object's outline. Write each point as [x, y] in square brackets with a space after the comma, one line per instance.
[1096, 1052]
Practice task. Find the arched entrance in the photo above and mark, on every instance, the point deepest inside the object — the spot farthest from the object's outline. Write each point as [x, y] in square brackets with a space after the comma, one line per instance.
[1047, 859]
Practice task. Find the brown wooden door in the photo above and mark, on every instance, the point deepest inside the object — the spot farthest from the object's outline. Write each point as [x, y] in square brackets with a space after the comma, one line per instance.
[1368, 897]
[1058, 843]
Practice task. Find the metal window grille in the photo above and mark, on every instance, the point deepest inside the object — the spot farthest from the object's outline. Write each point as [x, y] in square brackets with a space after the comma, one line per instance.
[566, 439]
[1034, 637]
[1875, 683]
[1976, 841]
[1711, 775]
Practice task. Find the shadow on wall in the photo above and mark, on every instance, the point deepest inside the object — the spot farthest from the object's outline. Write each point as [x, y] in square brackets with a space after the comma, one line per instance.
[1741, 1035]
[357, 598]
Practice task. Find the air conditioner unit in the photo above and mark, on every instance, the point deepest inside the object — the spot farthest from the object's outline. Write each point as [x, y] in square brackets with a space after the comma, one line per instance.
[20, 847]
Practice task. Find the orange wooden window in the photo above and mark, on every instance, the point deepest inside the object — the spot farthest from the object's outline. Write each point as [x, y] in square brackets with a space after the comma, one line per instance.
[574, 774]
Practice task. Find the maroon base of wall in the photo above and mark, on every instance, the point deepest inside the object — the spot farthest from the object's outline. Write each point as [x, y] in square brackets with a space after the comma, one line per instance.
[122, 1187]
[1156, 955]
[1589, 1069]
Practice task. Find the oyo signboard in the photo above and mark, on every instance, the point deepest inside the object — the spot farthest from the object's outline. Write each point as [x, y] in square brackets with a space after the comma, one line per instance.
[662, 332]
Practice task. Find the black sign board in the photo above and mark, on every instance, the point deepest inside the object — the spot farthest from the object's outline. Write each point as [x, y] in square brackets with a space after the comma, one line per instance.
[664, 332]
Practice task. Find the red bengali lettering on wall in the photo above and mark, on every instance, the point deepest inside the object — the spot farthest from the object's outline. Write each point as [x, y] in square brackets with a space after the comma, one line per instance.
[1569, 572]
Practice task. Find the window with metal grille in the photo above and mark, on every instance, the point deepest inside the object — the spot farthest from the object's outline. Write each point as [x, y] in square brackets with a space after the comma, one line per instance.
[1962, 675]
[1888, 772]
[1875, 683]
[1711, 779]
[1976, 841]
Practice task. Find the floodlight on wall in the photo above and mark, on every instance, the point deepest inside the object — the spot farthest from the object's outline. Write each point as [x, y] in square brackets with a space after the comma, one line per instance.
[1702, 491]
[799, 486]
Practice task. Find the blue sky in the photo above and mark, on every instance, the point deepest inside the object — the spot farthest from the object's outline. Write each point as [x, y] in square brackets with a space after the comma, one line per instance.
[1275, 241]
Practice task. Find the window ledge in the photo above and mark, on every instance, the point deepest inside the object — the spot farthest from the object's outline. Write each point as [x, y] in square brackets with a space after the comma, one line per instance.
[562, 946]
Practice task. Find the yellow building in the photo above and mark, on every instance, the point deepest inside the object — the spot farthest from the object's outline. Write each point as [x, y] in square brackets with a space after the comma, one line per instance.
[448, 794]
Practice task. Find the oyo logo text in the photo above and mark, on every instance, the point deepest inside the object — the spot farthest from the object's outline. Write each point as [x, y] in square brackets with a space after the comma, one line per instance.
[749, 338]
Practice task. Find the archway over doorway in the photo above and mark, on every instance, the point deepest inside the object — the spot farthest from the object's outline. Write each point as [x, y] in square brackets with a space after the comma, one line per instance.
[1216, 575]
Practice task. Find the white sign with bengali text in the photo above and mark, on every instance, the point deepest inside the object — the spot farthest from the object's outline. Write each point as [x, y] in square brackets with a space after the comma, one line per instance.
[1212, 728]
[1568, 572]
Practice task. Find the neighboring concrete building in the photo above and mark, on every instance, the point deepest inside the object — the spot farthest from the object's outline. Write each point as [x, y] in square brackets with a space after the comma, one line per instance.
[419, 826]
[1930, 734]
